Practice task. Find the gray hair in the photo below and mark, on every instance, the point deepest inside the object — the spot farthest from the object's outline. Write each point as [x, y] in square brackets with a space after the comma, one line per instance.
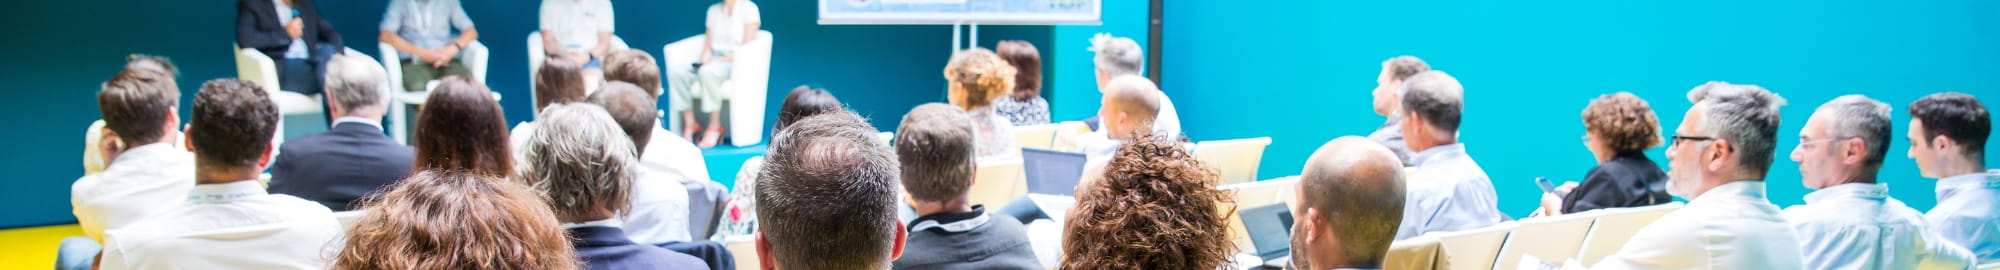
[581, 160]
[356, 82]
[1857, 116]
[1437, 97]
[1117, 55]
[1402, 67]
[1744, 115]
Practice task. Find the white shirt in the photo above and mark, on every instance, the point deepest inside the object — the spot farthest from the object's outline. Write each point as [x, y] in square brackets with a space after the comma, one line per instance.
[1447, 192]
[233, 225]
[1968, 212]
[670, 154]
[1858, 226]
[1168, 122]
[659, 209]
[298, 48]
[1732, 226]
[725, 29]
[140, 182]
[575, 23]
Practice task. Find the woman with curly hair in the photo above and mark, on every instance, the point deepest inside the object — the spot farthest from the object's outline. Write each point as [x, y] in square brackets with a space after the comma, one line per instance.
[976, 77]
[1154, 207]
[457, 219]
[1619, 127]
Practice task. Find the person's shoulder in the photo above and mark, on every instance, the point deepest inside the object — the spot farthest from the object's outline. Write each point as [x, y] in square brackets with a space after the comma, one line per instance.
[661, 258]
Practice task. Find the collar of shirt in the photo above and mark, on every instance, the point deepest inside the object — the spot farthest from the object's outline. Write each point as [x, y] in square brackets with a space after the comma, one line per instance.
[1395, 121]
[1438, 153]
[225, 192]
[1746, 189]
[952, 222]
[609, 222]
[350, 119]
[1980, 180]
[1861, 191]
[145, 152]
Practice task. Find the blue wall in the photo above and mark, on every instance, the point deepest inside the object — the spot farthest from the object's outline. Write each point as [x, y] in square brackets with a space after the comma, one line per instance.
[1529, 68]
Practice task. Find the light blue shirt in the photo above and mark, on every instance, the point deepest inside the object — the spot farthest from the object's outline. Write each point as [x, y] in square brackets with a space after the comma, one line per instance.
[425, 23]
[1858, 226]
[1447, 192]
[1968, 212]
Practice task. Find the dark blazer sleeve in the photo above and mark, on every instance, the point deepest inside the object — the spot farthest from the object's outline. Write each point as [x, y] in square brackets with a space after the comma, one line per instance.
[1599, 189]
[327, 34]
[254, 28]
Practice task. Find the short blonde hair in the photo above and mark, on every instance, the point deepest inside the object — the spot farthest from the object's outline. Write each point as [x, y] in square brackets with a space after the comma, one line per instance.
[981, 74]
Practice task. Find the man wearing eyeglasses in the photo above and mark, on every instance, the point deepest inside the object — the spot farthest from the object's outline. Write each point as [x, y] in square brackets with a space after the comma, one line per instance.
[1850, 222]
[1718, 163]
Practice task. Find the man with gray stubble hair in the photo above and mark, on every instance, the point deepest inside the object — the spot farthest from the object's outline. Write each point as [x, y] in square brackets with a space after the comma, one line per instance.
[1448, 191]
[1120, 56]
[586, 167]
[352, 159]
[1850, 222]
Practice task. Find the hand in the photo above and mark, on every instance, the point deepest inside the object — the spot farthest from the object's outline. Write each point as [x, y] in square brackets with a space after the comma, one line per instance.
[580, 57]
[444, 55]
[1551, 206]
[1566, 188]
[727, 58]
[108, 147]
[296, 27]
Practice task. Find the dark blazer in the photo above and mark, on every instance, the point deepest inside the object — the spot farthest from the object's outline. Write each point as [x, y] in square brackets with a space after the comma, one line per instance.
[1000, 244]
[341, 166]
[257, 26]
[1628, 179]
[609, 248]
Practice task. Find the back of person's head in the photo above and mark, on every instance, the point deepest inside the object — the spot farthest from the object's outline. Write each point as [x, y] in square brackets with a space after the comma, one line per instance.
[1955, 116]
[1437, 97]
[558, 82]
[456, 220]
[461, 128]
[137, 103]
[633, 66]
[934, 145]
[1352, 191]
[1135, 97]
[354, 82]
[1623, 122]
[154, 63]
[1860, 117]
[232, 125]
[827, 196]
[1156, 207]
[1117, 56]
[1746, 116]
[977, 76]
[581, 161]
[635, 110]
[801, 103]
[1027, 63]
[1400, 68]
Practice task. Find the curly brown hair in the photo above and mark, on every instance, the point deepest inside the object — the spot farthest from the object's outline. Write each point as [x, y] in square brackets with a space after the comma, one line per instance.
[1155, 208]
[457, 220]
[981, 75]
[1623, 121]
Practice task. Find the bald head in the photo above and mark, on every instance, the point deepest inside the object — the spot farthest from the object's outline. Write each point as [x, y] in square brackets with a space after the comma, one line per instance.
[1352, 192]
[1130, 103]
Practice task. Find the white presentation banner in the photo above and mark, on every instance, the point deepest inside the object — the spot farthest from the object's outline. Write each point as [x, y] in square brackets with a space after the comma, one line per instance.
[960, 11]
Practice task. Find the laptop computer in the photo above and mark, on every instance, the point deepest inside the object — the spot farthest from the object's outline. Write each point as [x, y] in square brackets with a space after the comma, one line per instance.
[1270, 230]
[1052, 178]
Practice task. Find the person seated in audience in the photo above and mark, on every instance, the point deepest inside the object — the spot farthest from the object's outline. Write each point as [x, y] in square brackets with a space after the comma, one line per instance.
[586, 168]
[1849, 221]
[294, 35]
[1618, 128]
[1948, 133]
[144, 170]
[741, 210]
[1447, 189]
[1127, 114]
[1025, 106]
[934, 145]
[354, 158]
[1388, 96]
[729, 25]
[558, 82]
[1719, 157]
[578, 32]
[977, 76]
[659, 204]
[1350, 203]
[441, 219]
[827, 197]
[461, 128]
[1153, 207]
[667, 153]
[1119, 57]
[420, 30]
[227, 220]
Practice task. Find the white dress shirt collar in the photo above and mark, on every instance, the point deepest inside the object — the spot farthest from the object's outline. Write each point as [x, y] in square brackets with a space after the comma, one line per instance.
[1863, 191]
[1980, 180]
[1745, 189]
[146, 152]
[609, 222]
[225, 192]
[361, 120]
[1438, 153]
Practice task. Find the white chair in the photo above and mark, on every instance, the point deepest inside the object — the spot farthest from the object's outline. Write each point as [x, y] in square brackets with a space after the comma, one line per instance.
[1549, 238]
[1990, 266]
[749, 82]
[1614, 227]
[996, 182]
[348, 218]
[1236, 160]
[473, 57]
[1416, 253]
[1475, 248]
[1066, 134]
[885, 137]
[536, 54]
[744, 247]
[1250, 195]
[1041, 136]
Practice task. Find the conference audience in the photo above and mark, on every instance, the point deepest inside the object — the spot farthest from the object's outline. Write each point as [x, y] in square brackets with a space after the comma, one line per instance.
[420, 30]
[934, 145]
[741, 210]
[352, 160]
[658, 206]
[1154, 207]
[729, 25]
[1719, 157]
[1849, 221]
[1388, 96]
[977, 76]
[583, 165]
[145, 171]
[667, 153]
[461, 128]
[1127, 114]
[457, 220]
[1025, 106]
[1448, 191]
[827, 197]
[557, 82]
[1948, 133]
[228, 221]
[578, 31]
[1618, 128]
[294, 35]
[1119, 57]
[1350, 202]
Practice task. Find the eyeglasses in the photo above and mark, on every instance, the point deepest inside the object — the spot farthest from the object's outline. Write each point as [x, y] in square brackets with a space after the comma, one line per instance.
[1678, 138]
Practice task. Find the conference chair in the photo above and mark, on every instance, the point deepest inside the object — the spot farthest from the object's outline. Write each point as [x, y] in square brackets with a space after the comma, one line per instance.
[1066, 133]
[1549, 238]
[93, 158]
[749, 82]
[885, 137]
[537, 54]
[1236, 159]
[1475, 248]
[473, 57]
[995, 182]
[348, 218]
[1416, 253]
[744, 247]
[1041, 136]
[1254, 194]
[1614, 227]
[1990, 266]
[254, 66]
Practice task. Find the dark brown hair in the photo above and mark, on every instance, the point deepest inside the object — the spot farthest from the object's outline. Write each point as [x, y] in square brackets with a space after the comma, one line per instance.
[1957, 116]
[135, 104]
[232, 124]
[827, 196]
[934, 145]
[1027, 62]
[461, 128]
[1155, 208]
[801, 103]
[457, 220]
[633, 109]
[1625, 122]
[558, 82]
[633, 66]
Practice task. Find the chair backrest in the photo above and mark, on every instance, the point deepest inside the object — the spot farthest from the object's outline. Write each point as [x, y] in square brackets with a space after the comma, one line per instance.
[1552, 238]
[1041, 136]
[1614, 226]
[1990, 266]
[1236, 159]
[744, 248]
[995, 182]
[885, 137]
[1416, 253]
[1253, 194]
[348, 218]
[1475, 248]
[1066, 134]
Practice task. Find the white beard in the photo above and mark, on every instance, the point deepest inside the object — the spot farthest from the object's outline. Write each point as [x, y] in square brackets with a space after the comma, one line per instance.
[1683, 187]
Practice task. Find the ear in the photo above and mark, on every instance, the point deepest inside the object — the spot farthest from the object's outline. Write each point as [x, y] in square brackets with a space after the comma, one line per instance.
[187, 139]
[264, 159]
[902, 234]
[1309, 225]
[1717, 155]
[1852, 153]
[1942, 144]
[764, 253]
